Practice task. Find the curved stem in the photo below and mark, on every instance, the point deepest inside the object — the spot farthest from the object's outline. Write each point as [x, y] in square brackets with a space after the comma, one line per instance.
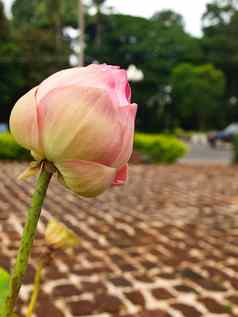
[36, 289]
[26, 242]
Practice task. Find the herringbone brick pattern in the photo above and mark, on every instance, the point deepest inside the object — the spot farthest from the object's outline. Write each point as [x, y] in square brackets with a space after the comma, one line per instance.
[165, 245]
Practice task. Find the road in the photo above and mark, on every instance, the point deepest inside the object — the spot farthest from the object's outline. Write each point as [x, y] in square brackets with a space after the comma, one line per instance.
[203, 153]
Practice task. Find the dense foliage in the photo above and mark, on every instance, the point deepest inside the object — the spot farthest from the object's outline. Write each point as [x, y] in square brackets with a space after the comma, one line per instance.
[159, 148]
[35, 42]
[10, 150]
[197, 94]
[220, 46]
[235, 150]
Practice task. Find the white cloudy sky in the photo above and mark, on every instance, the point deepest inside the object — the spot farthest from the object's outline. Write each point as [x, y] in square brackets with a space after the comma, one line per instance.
[191, 10]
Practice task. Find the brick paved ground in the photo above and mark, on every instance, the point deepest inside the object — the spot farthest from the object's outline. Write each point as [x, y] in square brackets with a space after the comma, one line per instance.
[165, 245]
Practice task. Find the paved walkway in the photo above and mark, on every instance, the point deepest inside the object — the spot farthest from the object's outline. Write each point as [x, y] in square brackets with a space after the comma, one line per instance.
[205, 154]
[165, 245]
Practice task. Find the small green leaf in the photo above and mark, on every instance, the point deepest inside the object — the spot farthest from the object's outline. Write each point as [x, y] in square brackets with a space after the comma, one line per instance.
[4, 285]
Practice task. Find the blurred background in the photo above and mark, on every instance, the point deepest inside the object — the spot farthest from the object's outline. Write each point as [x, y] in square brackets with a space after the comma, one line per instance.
[164, 245]
[182, 58]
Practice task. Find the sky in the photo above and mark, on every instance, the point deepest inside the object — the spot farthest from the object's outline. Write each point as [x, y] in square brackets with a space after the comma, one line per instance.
[190, 10]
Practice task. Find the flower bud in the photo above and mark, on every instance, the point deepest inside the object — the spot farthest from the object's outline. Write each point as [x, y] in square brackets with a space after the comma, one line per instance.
[59, 236]
[82, 121]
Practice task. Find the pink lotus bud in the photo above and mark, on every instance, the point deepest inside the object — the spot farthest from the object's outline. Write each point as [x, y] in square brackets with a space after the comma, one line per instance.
[82, 121]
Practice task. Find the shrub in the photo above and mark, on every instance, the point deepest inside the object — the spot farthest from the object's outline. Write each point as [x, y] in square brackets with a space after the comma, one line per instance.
[159, 148]
[235, 149]
[183, 135]
[11, 150]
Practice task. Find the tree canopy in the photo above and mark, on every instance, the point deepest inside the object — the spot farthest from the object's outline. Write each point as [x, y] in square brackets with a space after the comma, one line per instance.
[36, 43]
[198, 94]
[220, 24]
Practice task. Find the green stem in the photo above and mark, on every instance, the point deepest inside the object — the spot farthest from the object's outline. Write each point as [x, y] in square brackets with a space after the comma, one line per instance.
[36, 289]
[26, 242]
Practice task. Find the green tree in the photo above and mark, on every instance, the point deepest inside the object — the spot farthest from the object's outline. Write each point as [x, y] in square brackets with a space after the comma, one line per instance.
[10, 70]
[169, 18]
[156, 46]
[38, 30]
[4, 25]
[197, 94]
[220, 45]
[41, 13]
[33, 46]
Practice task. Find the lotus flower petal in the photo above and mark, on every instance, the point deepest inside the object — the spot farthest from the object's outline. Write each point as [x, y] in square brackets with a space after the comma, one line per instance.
[24, 123]
[112, 79]
[121, 176]
[128, 114]
[85, 178]
[80, 123]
